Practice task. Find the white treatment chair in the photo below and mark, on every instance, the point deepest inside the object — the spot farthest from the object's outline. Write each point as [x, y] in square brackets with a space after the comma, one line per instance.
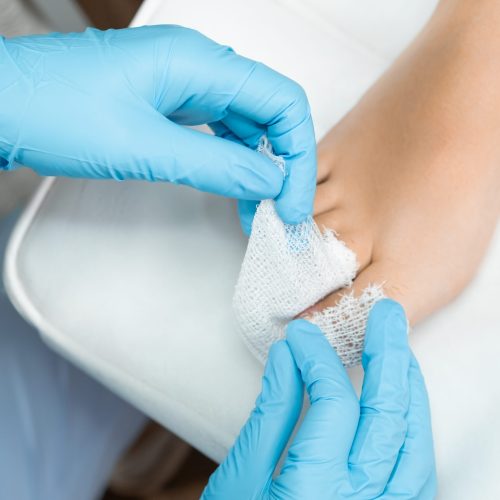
[133, 282]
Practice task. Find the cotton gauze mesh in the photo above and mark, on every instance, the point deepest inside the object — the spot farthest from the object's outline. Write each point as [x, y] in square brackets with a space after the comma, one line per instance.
[288, 268]
[344, 325]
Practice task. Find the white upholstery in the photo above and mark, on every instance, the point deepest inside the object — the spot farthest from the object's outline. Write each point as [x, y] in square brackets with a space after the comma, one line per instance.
[133, 282]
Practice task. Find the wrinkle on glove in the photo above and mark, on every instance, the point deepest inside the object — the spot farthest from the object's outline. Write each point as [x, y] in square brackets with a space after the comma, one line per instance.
[288, 268]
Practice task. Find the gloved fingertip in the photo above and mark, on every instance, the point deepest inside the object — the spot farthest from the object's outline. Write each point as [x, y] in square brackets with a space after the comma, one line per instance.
[301, 326]
[291, 214]
[246, 212]
[388, 312]
[246, 227]
[386, 333]
[278, 351]
[317, 362]
[273, 183]
[295, 203]
[302, 336]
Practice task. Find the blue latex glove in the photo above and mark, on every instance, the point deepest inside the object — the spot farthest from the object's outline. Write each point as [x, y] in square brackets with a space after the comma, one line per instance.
[108, 104]
[378, 447]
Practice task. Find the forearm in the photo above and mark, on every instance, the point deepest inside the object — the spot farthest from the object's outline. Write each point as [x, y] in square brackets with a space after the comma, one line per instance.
[449, 82]
[473, 16]
[462, 45]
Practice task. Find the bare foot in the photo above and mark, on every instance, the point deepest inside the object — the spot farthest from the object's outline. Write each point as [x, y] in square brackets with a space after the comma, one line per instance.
[410, 179]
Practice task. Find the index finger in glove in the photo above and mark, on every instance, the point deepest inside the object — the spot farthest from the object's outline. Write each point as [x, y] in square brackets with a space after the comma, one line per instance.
[414, 475]
[328, 428]
[384, 399]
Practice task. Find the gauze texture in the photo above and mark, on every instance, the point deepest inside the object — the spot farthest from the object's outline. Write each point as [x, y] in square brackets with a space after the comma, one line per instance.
[344, 325]
[288, 268]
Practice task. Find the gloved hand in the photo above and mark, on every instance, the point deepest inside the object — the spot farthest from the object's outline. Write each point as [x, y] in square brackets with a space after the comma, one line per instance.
[379, 447]
[109, 104]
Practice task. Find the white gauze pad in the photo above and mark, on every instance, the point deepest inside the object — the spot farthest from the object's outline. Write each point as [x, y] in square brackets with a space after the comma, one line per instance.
[288, 268]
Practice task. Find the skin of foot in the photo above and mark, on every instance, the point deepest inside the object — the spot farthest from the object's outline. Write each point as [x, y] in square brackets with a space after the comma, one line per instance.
[410, 178]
